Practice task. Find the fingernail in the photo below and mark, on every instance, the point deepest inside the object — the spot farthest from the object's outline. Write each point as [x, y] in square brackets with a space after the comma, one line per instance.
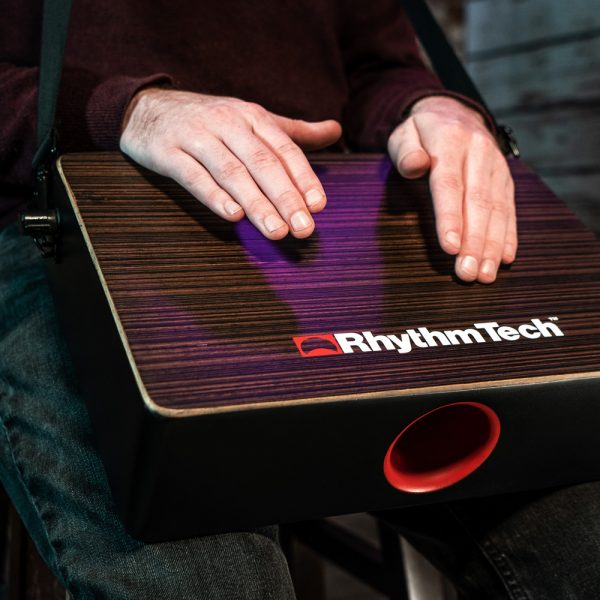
[232, 208]
[488, 267]
[273, 223]
[453, 239]
[300, 220]
[469, 265]
[313, 197]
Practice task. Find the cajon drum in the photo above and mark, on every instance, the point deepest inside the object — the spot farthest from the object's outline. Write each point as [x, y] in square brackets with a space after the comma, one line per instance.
[234, 382]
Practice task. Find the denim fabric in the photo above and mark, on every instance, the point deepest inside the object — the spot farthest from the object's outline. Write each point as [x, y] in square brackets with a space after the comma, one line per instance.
[543, 545]
[528, 546]
[56, 480]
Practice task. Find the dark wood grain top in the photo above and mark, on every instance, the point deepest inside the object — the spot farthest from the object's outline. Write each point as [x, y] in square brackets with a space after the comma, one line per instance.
[209, 309]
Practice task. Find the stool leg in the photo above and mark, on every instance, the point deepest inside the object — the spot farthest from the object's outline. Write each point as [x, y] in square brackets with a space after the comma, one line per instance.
[306, 567]
[391, 550]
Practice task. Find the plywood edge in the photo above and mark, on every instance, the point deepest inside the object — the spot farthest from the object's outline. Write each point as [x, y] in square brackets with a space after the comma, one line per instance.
[387, 394]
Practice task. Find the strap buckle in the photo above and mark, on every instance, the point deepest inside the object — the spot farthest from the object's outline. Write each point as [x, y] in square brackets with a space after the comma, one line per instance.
[41, 222]
[508, 141]
[44, 227]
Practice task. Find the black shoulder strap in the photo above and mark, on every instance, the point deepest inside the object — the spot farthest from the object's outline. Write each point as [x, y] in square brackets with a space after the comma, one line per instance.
[54, 36]
[55, 23]
[42, 221]
[449, 67]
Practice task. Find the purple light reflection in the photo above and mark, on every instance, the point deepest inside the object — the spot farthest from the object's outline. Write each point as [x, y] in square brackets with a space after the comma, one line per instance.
[323, 271]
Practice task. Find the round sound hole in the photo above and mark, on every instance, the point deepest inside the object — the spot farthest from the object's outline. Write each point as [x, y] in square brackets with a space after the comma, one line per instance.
[442, 447]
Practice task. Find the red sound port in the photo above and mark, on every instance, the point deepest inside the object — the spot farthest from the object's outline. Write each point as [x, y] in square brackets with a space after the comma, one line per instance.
[442, 447]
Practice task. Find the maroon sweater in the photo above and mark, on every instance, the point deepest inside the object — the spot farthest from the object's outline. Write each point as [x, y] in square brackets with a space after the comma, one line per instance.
[351, 60]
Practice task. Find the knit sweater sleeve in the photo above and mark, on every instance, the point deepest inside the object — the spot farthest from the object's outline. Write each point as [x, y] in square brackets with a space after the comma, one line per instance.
[89, 114]
[385, 72]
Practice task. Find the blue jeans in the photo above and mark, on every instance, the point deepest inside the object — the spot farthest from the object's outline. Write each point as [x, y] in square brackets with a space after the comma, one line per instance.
[56, 481]
[537, 545]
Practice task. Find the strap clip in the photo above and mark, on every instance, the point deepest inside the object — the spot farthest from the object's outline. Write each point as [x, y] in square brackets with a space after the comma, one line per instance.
[508, 141]
[41, 222]
[44, 227]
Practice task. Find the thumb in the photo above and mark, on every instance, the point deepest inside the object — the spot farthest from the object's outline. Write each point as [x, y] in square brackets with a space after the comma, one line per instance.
[407, 152]
[310, 135]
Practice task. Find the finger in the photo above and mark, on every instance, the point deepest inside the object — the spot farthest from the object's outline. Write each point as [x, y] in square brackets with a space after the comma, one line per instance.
[447, 190]
[186, 171]
[476, 211]
[295, 163]
[268, 172]
[231, 174]
[407, 152]
[511, 242]
[495, 236]
[310, 135]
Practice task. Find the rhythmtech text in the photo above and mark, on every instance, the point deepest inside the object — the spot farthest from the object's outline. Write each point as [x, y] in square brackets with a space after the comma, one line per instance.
[422, 337]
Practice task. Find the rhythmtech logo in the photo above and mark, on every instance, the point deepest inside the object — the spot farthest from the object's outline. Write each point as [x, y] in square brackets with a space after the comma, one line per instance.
[327, 344]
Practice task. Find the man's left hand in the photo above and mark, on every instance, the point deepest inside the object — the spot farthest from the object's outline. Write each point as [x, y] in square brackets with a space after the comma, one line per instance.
[471, 185]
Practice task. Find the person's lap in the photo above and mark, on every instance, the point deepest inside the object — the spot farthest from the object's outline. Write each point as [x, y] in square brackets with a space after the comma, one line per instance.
[56, 480]
[528, 546]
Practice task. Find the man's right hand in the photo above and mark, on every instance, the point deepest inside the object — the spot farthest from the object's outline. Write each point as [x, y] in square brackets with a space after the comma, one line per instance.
[234, 156]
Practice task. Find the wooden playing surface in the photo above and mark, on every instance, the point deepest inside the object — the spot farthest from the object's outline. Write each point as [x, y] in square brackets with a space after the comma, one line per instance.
[208, 309]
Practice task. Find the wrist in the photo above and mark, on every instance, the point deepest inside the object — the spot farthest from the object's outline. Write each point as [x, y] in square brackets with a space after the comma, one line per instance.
[136, 100]
[449, 107]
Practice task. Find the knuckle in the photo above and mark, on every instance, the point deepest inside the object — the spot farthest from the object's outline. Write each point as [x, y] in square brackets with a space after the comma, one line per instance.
[263, 159]
[510, 250]
[479, 198]
[493, 249]
[288, 200]
[231, 169]
[254, 109]
[287, 149]
[307, 181]
[166, 162]
[452, 182]
[196, 130]
[222, 111]
[450, 218]
[256, 206]
[215, 197]
[512, 239]
[482, 141]
[499, 207]
[191, 178]
[475, 239]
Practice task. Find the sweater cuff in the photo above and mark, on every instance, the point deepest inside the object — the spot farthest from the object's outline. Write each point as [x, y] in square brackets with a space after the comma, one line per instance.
[90, 111]
[409, 102]
[380, 107]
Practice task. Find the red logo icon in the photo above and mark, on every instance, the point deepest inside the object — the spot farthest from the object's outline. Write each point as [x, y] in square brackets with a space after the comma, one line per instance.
[323, 344]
